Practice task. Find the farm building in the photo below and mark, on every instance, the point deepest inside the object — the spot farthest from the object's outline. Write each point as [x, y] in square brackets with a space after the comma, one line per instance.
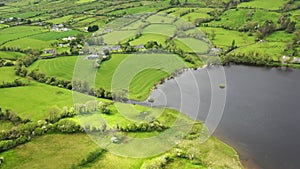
[92, 57]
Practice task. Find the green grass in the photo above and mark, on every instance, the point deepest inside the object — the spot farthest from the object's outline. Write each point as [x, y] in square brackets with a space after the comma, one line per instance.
[27, 104]
[160, 19]
[262, 16]
[213, 153]
[225, 37]
[118, 36]
[148, 7]
[17, 32]
[11, 55]
[134, 25]
[50, 36]
[163, 29]
[7, 74]
[265, 4]
[273, 49]
[23, 15]
[111, 161]
[149, 37]
[50, 151]
[3, 26]
[63, 67]
[25, 43]
[232, 18]
[192, 45]
[60, 19]
[280, 36]
[140, 83]
[199, 13]
[84, 1]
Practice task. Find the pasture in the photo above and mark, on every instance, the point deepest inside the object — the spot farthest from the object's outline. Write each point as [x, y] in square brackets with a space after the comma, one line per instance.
[224, 38]
[11, 55]
[192, 45]
[14, 33]
[265, 4]
[61, 151]
[7, 74]
[63, 67]
[134, 26]
[162, 29]
[25, 102]
[50, 36]
[198, 13]
[118, 36]
[25, 43]
[233, 19]
[146, 37]
[60, 20]
[273, 49]
[160, 19]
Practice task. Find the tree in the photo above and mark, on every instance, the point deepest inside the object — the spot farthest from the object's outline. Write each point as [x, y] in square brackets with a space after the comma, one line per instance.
[93, 28]
[213, 34]
[291, 27]
[268, 28]
[233, 45]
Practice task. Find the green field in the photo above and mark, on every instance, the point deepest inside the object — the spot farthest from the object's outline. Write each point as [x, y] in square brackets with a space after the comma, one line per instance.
[199, 13]
[50, 36]
[7, 74]
[149, 37]
[163, 29]
[134, 25]
[273, 49]
[280, 36]
[224, 37]
[60, 20]
[17, 32]
[265, 4]
[160, 19]
[63, 67]
[118, 36]
[25, 102]
[50, 149]
[234, 19]
[11, 55]
[192, 45]
[25, 43]
[53, 148]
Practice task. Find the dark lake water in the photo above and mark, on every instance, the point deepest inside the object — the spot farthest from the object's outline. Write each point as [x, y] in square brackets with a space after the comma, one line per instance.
[261, 117]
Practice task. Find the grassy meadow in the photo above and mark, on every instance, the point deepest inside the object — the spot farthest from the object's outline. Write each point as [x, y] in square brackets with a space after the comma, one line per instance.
[191, 29]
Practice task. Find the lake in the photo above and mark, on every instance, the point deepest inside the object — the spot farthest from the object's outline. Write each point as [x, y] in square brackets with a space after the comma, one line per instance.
[261, 117]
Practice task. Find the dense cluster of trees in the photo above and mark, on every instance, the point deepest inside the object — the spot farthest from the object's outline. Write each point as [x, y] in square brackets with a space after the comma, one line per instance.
[252, 58]
[93, 28]
[151, 126]
[14, 83]
[12, 117]
[27, 51]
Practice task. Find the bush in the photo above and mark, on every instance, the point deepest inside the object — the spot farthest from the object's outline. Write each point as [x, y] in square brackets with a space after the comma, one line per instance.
[91, 157]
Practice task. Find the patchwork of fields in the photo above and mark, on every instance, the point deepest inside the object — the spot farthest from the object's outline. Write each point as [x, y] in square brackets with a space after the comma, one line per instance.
[42, 49]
